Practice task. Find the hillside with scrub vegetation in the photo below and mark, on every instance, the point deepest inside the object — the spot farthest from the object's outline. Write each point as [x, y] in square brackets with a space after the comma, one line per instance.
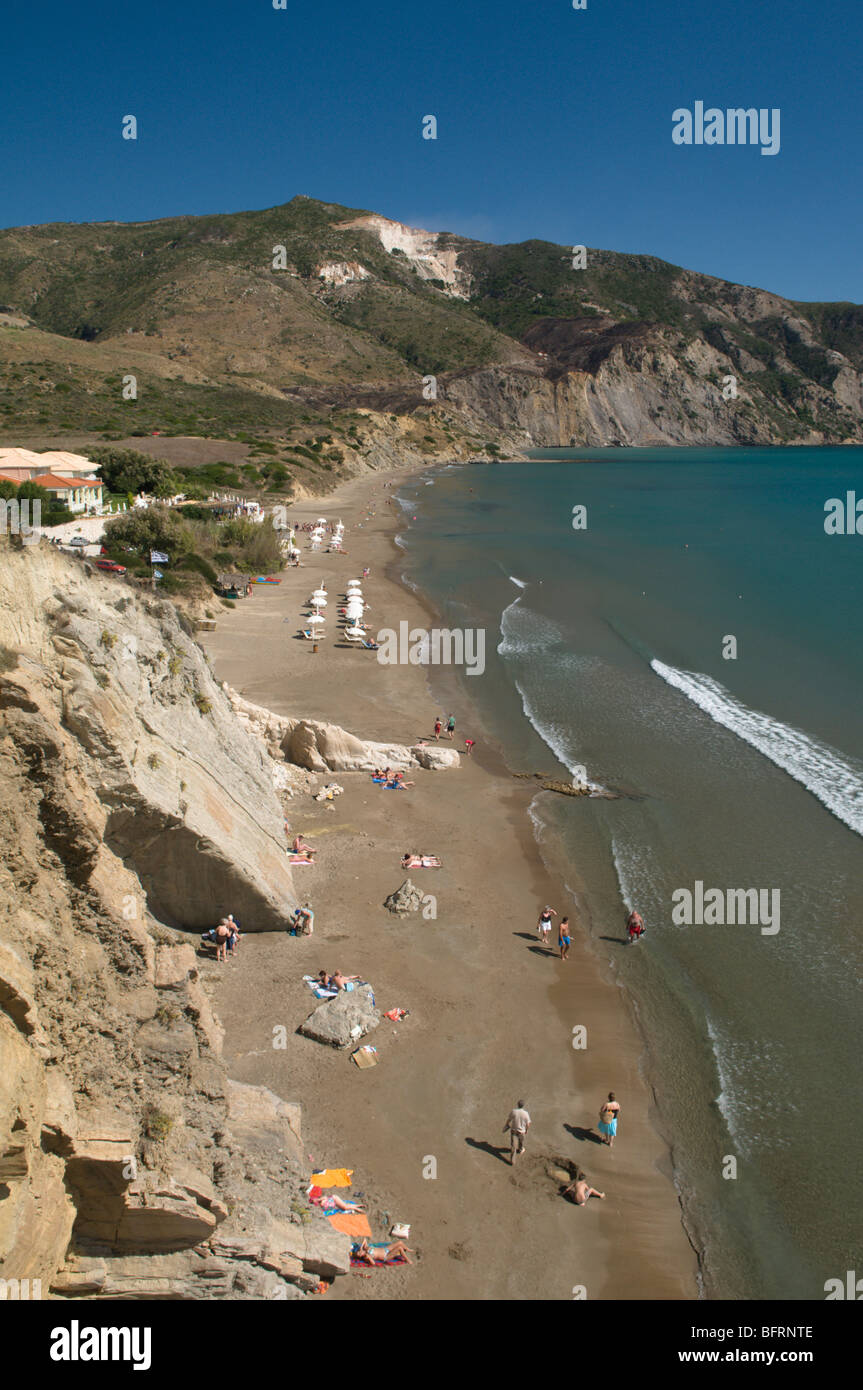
[311, 341]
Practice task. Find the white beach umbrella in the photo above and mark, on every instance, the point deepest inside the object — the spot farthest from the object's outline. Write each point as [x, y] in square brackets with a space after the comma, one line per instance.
[317, 603]
[316, 619]
[320, 593]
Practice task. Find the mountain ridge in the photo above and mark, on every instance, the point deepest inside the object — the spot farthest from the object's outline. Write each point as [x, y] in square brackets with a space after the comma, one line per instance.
[313, 313]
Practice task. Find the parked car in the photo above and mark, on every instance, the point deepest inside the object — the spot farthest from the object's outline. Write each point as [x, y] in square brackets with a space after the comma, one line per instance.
[110, 566]
[79, 540]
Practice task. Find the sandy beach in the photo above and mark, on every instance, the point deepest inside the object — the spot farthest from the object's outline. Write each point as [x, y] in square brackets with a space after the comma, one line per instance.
[491, 1013]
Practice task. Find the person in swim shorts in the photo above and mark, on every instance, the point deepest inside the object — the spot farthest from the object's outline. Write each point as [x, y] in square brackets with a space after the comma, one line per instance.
[564, 940]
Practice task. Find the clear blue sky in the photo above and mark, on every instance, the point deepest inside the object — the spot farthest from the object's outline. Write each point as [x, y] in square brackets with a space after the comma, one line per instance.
[553, 123]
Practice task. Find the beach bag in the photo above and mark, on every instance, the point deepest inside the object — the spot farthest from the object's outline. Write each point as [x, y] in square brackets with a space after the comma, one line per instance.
[606, 1114]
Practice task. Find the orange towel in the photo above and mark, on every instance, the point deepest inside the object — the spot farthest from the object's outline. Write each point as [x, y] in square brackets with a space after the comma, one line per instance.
[333, 1177]
[351, 1223]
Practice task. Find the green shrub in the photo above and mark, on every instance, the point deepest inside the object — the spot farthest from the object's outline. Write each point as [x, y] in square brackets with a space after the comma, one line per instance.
[157, 1125]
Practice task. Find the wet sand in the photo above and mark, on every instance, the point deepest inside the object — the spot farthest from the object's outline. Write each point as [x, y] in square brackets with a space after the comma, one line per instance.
[491, 1013]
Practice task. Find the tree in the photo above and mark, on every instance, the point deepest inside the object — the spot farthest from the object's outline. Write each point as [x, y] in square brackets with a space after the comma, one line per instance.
[53, 511]
[149, 528]
[129, 470]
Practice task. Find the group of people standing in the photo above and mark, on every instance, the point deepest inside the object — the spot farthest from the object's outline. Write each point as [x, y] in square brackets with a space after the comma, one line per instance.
[518, 1123]
[564, 932]
[225, 935]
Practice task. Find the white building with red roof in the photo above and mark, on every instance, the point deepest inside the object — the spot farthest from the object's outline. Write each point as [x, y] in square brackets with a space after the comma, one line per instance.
[71, 478]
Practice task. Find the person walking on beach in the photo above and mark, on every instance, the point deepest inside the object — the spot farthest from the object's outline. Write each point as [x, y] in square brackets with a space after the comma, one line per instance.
[608, 1120]
[543, 926]
[635, 927]
[437, 727]
[518, 1123]
[564, 940]
[450, 726]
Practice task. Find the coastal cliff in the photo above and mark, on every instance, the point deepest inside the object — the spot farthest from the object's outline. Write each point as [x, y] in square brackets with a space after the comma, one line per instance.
[133, 803]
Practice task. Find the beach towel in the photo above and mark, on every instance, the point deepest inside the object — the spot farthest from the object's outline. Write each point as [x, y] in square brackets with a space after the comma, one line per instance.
[333, 1177]
[396, 1014]
[298, 859]
[351, 1223]
[322, 991]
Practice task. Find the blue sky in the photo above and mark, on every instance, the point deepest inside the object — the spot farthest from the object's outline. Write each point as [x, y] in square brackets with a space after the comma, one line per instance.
[552, 122]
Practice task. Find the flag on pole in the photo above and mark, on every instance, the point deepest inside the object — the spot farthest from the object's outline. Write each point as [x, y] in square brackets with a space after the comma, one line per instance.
[157, 574]
[158, 557]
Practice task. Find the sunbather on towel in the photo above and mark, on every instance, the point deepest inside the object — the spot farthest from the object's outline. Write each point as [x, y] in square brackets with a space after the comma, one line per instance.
[420, 861]
[382, 1254]
[329, 1202]
[300, 847]
[337, 980]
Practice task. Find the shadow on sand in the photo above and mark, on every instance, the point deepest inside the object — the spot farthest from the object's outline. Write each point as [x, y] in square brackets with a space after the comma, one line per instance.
[587, 1136]
[496, 1151]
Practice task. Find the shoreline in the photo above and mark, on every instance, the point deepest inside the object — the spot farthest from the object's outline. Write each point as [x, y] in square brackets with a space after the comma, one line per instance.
[515, 1023]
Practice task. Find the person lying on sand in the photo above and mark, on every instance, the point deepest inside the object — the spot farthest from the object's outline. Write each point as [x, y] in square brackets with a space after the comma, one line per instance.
[300, 847]
[420, 861]
[330, 1202]
[580, 1191]
[400, 777]
[337, 980]
[397, 1250]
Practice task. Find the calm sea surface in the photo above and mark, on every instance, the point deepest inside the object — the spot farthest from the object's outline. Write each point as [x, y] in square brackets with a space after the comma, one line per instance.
[605, 650]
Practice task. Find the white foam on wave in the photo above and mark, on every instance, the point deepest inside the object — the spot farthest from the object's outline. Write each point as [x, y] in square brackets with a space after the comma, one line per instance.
[524, 633]
[833, 779]
[522, 583]
[725, 1100]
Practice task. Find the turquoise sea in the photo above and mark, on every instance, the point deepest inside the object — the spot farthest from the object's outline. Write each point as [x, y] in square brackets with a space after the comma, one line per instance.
[612, 648]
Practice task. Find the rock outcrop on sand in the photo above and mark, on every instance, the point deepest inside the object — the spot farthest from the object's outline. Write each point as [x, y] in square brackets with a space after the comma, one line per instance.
[404, 900]
[321, 747]
[131, 798]
[343, 1020]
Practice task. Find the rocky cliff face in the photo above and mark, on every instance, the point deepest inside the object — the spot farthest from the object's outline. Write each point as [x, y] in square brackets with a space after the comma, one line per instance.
[643, 388]
[131, 798]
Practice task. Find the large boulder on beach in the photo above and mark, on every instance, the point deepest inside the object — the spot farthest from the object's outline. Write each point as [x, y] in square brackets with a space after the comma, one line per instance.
[434, 758]
[328, 748]
[404, 900]
[343, 1020]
